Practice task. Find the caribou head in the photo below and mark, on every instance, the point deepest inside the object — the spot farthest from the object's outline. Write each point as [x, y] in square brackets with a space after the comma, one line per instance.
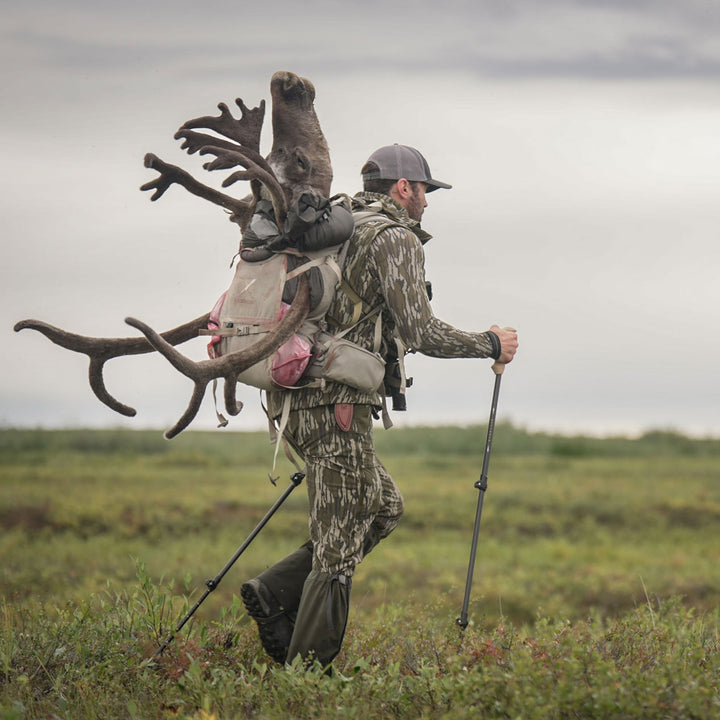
[299, 157]
[299, 162]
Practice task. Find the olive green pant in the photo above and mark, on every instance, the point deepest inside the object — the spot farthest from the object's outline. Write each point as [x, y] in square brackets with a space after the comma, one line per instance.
[353, 504]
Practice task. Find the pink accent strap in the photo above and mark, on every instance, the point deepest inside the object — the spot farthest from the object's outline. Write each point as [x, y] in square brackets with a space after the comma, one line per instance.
[214, 322]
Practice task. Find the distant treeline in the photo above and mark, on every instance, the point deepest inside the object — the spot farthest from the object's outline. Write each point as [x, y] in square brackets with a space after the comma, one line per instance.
[442, 440]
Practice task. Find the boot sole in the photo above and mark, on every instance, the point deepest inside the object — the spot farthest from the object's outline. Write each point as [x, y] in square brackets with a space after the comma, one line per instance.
[274, 642]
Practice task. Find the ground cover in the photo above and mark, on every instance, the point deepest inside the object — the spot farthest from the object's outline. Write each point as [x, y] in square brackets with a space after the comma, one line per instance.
[596, 583]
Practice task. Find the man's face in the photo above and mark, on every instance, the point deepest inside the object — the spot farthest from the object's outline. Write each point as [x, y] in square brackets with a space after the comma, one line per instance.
[416, 203]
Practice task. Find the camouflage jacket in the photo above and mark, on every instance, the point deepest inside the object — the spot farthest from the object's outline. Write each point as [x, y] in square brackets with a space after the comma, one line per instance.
[385, 265]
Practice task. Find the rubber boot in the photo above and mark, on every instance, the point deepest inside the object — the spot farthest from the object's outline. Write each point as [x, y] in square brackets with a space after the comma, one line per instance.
[321, 619]
[286, 578]
[272, 600]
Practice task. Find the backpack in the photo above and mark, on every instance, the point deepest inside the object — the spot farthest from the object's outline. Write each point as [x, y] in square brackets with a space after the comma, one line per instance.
[259, 296]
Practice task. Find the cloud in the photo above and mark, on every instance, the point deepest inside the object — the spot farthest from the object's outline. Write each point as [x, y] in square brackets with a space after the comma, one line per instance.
[512, 39]
[580, 137]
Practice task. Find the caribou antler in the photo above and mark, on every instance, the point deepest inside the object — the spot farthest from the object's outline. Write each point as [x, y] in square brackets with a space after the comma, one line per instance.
[299, 161]
[231, 365]
[225, 159]
[195, 141]
[100, 350]
[241, 210]
[245, 130]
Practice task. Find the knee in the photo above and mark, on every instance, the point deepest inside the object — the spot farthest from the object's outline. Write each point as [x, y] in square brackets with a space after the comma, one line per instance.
[397, 507]
[388, 520]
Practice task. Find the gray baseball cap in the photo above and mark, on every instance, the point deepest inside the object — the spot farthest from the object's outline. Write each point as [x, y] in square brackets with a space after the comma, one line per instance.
[401, 161]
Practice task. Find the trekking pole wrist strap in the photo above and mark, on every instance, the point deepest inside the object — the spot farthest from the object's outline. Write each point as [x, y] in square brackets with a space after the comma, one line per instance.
[496, 346]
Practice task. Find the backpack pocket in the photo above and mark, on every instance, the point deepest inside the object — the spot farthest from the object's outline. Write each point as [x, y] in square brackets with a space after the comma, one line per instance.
[345, 362]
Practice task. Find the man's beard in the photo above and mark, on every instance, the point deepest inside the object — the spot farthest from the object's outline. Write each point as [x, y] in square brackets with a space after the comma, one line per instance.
[415, 207]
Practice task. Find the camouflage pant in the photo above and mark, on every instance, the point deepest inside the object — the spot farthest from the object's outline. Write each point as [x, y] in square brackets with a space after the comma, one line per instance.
[353, 505]
[354, 502]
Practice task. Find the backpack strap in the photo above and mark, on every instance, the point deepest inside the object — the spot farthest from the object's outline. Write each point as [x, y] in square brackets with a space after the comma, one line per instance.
[381, 223]
[323, 260]
[359, 306]
[277, 435]
[360, 309]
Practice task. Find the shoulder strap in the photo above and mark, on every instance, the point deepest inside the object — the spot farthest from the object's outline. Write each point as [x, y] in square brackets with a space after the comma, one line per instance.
[361, 310]
[363, 217]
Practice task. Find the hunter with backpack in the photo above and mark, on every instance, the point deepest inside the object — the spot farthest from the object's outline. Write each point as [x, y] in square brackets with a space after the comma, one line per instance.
[380, 309]
[358, 265]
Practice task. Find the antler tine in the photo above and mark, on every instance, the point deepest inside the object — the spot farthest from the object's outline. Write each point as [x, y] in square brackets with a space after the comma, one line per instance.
[100, 350]
[241, 209]
[245, 130]
[195, 141]
[226, 159]
[97, 385]
[228, 366]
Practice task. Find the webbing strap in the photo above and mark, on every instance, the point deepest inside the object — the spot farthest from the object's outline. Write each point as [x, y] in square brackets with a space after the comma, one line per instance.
[222, 420]
[358, 305]
[277, 436]
[377, 335]
[387, 422]
[280, 430]
[336, 267]
[305, 267]
[238, 328]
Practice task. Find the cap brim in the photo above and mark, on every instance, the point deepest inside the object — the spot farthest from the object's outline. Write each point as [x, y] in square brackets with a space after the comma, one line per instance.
[437, 185]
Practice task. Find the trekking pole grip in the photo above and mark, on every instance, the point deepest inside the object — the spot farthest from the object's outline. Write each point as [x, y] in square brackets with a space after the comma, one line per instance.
[497, 366]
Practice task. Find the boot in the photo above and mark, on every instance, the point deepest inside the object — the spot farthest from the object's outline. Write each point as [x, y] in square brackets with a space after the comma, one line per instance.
[272, 600]
[285, 579]
[321, 618]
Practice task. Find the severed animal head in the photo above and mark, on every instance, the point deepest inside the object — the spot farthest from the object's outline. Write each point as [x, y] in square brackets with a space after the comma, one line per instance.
[298, 162]
[299, 157]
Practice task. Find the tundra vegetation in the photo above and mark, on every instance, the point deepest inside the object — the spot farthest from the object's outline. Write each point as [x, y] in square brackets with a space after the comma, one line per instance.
[596, 591]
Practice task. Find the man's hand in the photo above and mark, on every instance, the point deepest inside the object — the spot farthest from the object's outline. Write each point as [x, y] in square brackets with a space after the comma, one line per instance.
[508, 343]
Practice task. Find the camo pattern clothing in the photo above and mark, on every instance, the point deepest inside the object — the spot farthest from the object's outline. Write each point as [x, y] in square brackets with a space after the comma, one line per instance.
[349, 487]
[385, 266]
[354, 502]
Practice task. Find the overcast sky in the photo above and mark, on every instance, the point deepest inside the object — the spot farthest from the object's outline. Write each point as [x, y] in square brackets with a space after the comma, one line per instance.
[581, 137]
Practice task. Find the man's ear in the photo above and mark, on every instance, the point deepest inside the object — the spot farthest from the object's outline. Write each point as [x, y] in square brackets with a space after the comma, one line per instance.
[403, 188]
[395, 193]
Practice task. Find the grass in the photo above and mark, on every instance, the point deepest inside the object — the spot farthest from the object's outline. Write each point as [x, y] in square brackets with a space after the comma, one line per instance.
[596, 589]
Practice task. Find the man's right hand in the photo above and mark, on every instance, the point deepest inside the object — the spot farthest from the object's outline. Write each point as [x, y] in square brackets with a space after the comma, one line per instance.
[508, 343]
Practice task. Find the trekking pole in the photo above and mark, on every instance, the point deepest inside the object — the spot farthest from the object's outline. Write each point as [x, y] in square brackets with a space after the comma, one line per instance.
[296, 479]
[481, 485]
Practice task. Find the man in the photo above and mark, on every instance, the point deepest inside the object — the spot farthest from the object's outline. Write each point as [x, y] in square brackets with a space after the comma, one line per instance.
[301, 604]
